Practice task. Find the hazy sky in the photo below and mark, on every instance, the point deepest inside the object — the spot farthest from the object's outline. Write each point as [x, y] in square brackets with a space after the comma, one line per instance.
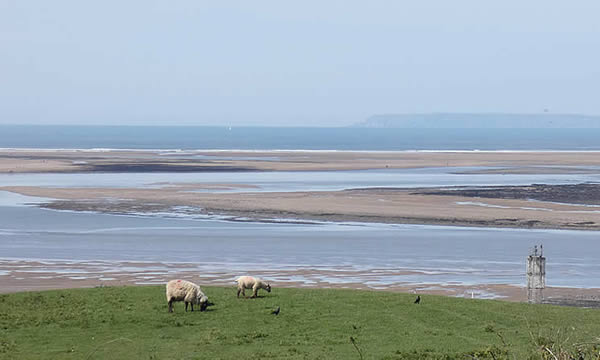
[293, 63]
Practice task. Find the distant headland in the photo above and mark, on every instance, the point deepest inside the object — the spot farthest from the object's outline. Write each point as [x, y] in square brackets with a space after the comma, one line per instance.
[481, 120]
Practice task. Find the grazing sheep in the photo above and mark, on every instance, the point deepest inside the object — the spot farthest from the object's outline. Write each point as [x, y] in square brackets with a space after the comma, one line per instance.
[182, 290]
[249, 282]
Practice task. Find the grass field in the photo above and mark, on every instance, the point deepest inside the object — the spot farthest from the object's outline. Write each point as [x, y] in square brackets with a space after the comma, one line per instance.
[133, 323]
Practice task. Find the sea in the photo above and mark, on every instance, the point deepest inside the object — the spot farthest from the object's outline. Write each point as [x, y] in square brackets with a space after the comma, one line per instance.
[294, 138]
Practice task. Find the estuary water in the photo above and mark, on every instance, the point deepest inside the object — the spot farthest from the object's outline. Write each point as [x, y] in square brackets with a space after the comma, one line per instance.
[300, 180]
[372, 254]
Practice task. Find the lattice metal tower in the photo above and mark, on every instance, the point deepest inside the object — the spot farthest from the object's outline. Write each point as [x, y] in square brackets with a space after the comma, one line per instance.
[536, 275]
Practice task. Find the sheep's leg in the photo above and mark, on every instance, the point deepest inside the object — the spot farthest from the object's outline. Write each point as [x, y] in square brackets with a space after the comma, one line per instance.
[244, 292]
[254, 292]
[192, 306]
[170, 306]
[238, 293]
[186, 306]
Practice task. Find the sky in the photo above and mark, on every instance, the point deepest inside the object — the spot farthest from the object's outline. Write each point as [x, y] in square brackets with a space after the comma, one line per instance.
[284, 63]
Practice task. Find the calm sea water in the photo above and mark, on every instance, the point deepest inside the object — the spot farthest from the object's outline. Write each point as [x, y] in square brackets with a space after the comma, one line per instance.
[286, 138]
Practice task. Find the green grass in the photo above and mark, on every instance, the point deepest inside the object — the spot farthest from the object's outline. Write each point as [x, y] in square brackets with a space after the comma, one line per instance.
[133, 323]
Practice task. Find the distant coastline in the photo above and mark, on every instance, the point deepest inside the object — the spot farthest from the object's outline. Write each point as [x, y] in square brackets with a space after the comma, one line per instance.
[482, 121]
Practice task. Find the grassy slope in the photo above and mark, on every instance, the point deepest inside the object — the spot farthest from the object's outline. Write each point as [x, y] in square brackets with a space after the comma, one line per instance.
[132, 322]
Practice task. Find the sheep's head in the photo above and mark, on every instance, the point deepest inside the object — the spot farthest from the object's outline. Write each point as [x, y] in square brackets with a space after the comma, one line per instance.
[203, 301]
[268, 288]
[205, 305]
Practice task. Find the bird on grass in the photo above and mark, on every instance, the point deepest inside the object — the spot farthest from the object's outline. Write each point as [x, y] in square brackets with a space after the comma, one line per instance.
[276, 311]
[418, 299]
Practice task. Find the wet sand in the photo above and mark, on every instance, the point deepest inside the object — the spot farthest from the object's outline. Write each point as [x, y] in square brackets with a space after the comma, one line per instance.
[37, 276]
[66, 161]
[580, 194]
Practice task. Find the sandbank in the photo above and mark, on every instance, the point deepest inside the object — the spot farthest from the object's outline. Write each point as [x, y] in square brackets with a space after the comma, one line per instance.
[68, 161]
[390, 205]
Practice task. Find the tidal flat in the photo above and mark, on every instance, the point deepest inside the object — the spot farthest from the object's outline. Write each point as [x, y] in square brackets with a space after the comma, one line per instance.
[399, 221]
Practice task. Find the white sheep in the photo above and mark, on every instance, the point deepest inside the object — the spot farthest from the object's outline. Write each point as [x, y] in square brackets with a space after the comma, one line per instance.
[182, 290]
[249, 282]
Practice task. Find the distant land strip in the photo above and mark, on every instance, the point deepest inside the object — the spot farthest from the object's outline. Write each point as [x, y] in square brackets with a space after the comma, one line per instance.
[482, 121]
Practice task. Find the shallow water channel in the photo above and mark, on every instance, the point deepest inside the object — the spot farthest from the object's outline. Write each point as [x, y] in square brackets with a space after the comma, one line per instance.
[373, 254]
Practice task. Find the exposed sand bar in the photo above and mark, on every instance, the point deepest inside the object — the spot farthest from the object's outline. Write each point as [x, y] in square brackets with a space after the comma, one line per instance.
[401, 206]
[65, 161]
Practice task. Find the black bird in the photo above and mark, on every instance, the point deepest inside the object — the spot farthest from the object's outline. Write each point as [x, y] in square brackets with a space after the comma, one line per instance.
[276, 311]
[418, 299]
